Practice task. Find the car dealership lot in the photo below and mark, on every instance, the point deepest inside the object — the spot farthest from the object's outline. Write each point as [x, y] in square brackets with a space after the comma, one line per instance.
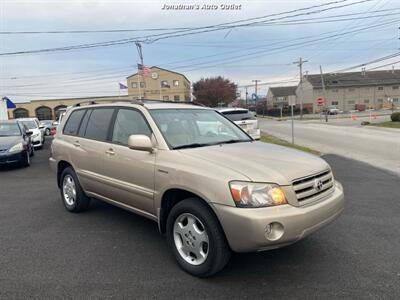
[106, 252]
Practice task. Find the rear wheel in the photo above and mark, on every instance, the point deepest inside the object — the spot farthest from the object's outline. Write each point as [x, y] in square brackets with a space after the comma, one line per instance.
[196, 238]
[72, 195]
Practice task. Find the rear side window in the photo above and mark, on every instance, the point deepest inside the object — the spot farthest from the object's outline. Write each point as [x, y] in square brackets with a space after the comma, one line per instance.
[99, 124]
[239, 115]
[73, 122]
[84, 122]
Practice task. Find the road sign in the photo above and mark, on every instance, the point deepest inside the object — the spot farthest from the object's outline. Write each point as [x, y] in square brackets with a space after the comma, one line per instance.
[254, 97]
[292, 101]
[320, 101]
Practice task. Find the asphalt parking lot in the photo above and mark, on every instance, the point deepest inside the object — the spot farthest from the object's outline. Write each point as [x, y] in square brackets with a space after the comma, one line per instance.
[48, 253]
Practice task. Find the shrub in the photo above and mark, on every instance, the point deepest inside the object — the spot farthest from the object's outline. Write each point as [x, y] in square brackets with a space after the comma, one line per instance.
[395, 117]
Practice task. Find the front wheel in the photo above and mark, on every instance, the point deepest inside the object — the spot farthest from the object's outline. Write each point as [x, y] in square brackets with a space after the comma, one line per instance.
[196, 238]
[72, 195]
[26, 160]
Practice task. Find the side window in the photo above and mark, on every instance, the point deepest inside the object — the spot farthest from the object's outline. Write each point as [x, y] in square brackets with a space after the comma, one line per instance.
[72, 125]
[129, 122]
[99, 123]
[84, 123]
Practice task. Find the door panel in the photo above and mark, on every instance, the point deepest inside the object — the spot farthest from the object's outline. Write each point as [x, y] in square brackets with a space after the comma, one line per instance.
[130, 173]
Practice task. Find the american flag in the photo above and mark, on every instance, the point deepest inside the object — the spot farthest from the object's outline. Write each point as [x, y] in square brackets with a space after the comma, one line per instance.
[143, 70]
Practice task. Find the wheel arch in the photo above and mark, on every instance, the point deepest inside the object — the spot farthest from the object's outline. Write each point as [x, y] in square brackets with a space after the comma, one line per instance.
[61, 166]
[173, 196]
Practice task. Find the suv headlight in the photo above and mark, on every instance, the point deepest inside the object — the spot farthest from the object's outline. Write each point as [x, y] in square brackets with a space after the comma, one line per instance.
[16, 148]
[252, 194]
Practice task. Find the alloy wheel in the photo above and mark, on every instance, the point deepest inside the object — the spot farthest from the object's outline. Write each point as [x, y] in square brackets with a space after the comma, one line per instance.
[191, 239]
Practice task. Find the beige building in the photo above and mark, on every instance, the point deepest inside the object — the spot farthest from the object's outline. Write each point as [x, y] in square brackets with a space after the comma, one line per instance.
[159, 84]
[281, 96]
[347, 91]
[47, 109]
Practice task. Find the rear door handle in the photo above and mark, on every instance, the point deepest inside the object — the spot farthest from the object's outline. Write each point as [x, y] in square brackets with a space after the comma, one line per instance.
[110, 151]
[76, 144]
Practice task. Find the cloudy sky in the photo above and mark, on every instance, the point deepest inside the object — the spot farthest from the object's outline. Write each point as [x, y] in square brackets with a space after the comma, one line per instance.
[335, 39]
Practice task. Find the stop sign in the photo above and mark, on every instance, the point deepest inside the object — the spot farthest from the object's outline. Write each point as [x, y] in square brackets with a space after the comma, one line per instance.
[320, 101]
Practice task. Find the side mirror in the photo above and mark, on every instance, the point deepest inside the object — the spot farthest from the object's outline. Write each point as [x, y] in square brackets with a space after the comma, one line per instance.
[41, 127]
[29, 133]
[140, 142]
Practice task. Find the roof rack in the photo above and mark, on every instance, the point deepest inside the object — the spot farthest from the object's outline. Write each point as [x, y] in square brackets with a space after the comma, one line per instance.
[135, 101]
[93, 102]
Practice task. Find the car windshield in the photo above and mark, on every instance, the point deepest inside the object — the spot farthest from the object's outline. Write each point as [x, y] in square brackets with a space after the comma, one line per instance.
[30, 124]
[9, 129]
[239, 115]
[190, 128]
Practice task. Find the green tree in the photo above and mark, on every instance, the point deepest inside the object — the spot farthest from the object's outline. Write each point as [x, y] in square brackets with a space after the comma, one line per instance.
[214, 90]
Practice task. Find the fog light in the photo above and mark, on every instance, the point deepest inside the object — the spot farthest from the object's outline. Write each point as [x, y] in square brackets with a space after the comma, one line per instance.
[274, 231]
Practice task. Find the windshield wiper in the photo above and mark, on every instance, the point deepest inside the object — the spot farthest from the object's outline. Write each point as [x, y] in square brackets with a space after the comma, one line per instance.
[194, 145]
[232, 142]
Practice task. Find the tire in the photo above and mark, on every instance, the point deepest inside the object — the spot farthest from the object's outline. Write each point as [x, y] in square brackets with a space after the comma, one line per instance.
[32, 151]
[26, 160]
[215, 249]
[72, 195]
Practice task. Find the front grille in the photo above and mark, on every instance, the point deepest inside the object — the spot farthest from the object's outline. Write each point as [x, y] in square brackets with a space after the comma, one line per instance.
[307, 188]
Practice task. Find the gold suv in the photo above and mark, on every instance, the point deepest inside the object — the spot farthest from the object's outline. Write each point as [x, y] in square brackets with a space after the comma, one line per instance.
[210, 187]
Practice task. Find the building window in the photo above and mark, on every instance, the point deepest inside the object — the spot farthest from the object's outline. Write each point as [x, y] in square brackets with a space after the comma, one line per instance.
[164, 84]
[396, 87]
[335, 103]
[175, 82]
[166, 98]
[177, 98]
[366, 101]
[134, 85]
[142, 85]
[395, 99]
[350, 102]
[380, 100]
[351, 89]
[380, 88]
[334, 81]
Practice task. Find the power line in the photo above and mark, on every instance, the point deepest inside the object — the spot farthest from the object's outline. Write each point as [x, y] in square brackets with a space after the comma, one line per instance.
[223, 26]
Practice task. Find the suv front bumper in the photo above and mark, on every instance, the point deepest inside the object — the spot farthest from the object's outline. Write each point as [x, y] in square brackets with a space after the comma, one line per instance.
[248, 230]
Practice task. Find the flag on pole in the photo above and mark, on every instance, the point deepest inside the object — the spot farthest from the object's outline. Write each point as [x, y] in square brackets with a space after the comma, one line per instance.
[10, 104]
[122, 86]
[143, 70]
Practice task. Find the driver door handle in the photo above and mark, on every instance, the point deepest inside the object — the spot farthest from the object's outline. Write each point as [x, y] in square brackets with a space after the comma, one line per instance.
[110, 151]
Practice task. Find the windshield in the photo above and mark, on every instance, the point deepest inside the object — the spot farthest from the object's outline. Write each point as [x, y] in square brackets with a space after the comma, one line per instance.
[30, 124]
[9, 129]
[189, 128]
[239, 115]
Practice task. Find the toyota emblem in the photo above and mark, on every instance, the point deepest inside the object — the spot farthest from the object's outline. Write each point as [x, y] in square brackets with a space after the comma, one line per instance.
[318, 185]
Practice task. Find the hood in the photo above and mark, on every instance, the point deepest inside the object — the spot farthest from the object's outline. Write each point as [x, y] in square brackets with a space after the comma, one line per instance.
[6, 142]
[261, 162]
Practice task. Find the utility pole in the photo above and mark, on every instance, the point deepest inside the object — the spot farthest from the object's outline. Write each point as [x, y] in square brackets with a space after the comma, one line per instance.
[246, 95]
[139, 49]
[300, 63]
[323, 93]
[256, 81]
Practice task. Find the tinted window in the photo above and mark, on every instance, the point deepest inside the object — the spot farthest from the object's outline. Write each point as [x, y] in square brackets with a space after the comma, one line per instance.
[99, 123]
[72, 125]
[84, 122]
[129, 122]
[239, 115]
